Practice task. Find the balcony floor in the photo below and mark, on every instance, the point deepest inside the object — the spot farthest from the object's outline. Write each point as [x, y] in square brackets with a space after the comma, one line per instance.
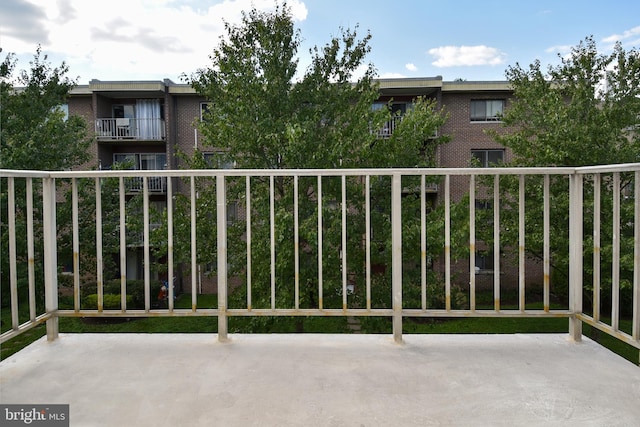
[325, 380]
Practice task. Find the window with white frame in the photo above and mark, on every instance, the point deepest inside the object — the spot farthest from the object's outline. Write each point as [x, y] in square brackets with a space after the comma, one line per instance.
[487, 158]
[487, 110]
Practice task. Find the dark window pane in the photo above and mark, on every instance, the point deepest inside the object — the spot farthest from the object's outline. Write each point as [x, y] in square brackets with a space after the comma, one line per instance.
[495, 157]
[478, 110]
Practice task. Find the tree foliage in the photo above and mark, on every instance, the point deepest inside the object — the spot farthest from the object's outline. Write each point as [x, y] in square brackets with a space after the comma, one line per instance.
[263, 116]
[35, 135]
[34, 132]
[583, 111]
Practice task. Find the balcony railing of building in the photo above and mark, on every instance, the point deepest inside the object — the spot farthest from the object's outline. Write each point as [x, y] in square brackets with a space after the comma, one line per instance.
[333, 200]
[155, 184]
[389, 127]
[130, 128]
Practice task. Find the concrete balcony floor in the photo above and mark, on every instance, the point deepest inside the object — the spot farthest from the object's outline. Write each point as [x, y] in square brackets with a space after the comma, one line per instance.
[326, 380]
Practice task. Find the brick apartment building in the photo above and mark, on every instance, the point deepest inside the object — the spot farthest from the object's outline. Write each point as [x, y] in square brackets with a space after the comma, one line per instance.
[147, 122]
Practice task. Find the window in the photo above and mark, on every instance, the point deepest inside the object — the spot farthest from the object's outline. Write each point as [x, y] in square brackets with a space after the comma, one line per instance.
[64, 108]
[124, 111]
[143, 161]
[484, 261]
[487, 158]
[142, 109]
[129, 159]
[377, 106]
[204, 109]
[218, 160]
[397, 110]
[487, 110]
[484, 205]
[484, 211]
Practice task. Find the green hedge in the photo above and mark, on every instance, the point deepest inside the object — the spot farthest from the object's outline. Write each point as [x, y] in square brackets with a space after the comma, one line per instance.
[109, 301]
[135, 293]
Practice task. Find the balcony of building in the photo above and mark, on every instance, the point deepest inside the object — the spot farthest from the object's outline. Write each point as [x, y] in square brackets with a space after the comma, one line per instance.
[397, 378]
[155, 184]
[130, 129]
[134, 185]
[129, 113]
[389, 127]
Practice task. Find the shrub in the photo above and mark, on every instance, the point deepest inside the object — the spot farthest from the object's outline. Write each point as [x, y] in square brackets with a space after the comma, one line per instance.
[109, 301]
[135, 292]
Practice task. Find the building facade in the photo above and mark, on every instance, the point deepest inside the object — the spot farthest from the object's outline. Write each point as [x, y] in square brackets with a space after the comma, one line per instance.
[145, 124]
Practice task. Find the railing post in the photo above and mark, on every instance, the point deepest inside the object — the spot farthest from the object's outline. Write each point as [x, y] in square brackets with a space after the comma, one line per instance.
[50, 255]
[635, 328]
[221, 202]
[396, 257]
[575, 255]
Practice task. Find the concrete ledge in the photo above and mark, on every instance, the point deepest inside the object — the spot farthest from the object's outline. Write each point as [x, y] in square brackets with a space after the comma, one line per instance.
[325, 380]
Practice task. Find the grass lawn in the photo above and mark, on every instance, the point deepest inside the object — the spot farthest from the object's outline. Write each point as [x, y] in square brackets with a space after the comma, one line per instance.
[264, 324]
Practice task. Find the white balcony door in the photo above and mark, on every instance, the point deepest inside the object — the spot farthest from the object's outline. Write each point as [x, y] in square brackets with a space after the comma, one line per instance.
[148, 112]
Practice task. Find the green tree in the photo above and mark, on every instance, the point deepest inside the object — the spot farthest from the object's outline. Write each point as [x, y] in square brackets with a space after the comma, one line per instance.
[583, 111]
[262, 116]
[34, 131]
[36, 135]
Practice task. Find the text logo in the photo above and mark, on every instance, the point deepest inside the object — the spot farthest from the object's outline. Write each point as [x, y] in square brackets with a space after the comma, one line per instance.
[34, 415]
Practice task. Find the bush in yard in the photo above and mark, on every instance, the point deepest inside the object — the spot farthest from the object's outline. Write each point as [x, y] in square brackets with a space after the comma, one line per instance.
[135, 293]
[110, 301]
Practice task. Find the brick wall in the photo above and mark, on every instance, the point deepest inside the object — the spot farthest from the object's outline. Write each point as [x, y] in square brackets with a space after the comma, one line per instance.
[466, 136]
[187, 111]
[83, 106]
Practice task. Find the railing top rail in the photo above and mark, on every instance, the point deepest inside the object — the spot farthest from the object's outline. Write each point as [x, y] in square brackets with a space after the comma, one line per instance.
[8, 173]
[327, 172]
[293, 172]
[625, 167]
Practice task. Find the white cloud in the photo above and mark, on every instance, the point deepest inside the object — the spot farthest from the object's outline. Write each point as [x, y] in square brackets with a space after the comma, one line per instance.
[561, 49]
[628, 39]
[132, 39]
[411, 67]
[455, 56]
[634, 32]
[22, 21]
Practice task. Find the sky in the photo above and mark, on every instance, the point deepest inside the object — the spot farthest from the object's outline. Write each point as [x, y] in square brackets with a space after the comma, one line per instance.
[158, 39]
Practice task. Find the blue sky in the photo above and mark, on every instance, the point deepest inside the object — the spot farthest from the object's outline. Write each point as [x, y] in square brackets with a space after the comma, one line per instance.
[156, 39]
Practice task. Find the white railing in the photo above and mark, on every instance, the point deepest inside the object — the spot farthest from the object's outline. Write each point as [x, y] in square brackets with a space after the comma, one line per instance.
[130, 128]
[322, 207]
[156, 184]
[389, 127]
